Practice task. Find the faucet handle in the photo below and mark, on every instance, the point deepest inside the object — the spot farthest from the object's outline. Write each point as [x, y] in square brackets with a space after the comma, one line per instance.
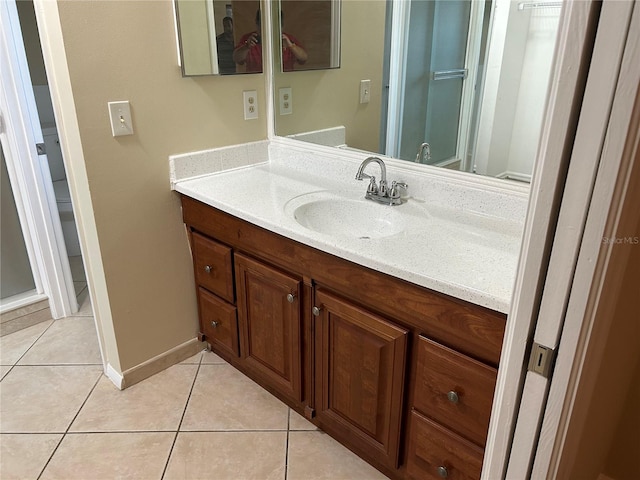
[372, 188]
[395, 188]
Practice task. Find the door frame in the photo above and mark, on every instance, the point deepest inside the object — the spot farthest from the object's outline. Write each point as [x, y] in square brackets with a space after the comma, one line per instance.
[29, 172]
[578, 22]
[594, 260]
[55, 60]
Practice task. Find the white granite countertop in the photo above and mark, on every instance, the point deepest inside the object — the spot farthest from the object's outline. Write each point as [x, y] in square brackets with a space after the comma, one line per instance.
[467, 249]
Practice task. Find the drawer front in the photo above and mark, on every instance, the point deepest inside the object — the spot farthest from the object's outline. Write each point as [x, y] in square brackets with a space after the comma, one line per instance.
[455, 390]
[219, 322]
[435, 453]
[213, 266]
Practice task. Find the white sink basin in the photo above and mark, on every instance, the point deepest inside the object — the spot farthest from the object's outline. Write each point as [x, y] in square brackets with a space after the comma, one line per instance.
[345, 214]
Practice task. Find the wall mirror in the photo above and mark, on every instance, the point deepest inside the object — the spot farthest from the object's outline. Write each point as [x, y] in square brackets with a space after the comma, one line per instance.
[467, 77]
[308, 34]
[219, 37]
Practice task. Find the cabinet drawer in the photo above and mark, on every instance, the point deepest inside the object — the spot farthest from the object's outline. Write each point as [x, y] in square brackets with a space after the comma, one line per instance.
[454, 390]
[219, 322]
[435, 452]
[213, 266]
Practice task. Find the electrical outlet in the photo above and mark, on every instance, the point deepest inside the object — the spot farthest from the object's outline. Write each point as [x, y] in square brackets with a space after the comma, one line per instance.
[365, 91]
[286, 101]
[120, 116]
[250, 103]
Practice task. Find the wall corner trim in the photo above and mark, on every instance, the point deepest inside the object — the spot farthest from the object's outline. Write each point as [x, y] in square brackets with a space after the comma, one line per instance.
[114, 376]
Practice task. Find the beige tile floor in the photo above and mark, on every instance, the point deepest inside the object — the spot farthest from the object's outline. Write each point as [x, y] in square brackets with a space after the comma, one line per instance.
[61, 418]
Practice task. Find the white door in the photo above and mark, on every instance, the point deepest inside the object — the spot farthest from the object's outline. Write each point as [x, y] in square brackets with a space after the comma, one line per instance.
[29, 171]
[595, 163]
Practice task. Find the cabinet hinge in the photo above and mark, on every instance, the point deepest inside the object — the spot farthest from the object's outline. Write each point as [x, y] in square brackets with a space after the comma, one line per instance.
[41, 148]
[542, 360]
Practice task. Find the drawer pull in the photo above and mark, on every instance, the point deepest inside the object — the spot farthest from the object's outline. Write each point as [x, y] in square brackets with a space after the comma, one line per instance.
[315, 311]
[442, 472]
[291, 297]
[214, 324]
[208, 268]
[453, 396]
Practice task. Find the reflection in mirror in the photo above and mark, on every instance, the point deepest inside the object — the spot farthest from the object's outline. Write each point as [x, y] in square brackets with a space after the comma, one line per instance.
[308, 34]
[215, 38]
[468, 78]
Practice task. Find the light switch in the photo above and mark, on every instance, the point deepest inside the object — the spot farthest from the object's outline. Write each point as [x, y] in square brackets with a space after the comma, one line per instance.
[120, 115]
[286, 101]
[365, 91]
[250, 101]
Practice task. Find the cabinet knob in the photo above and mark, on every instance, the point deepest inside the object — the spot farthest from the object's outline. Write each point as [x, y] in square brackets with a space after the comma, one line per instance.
[315, 311]
[291, 297]
[214, 324]
[453, 396]
[208, 268]
[442, 472]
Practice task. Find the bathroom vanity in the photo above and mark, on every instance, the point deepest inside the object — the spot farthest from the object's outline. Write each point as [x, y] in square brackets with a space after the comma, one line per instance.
[400, 370]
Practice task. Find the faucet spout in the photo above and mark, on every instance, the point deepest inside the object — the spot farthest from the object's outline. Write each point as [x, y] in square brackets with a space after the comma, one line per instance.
[380, 193]
[424, 152]
[383, 170]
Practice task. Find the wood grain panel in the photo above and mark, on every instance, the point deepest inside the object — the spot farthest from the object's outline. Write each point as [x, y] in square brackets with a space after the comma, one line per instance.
[270, 325]
[361, 361]
[432, 446]
[218, 321]
[213, 266]
[468, 328]
[441, 370]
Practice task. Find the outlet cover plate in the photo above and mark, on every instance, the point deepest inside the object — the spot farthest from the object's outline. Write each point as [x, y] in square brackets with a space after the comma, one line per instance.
[250, 102]
[286, 101]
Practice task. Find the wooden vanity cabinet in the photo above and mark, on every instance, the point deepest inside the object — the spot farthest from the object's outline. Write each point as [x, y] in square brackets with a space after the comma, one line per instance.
[369, 358]
[270, 322]
[360, 367]
[213, 271]
[450, 413]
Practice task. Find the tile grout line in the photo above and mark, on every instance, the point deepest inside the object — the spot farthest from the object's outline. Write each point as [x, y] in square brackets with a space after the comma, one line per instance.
[69, 426]
[27, 350]
[184, 411]
[34, 342]
[286, 448]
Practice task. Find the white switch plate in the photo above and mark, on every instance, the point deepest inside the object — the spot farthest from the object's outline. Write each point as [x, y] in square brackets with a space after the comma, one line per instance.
[286, 101]
[365, 91]
[250, 102]
[120, 115]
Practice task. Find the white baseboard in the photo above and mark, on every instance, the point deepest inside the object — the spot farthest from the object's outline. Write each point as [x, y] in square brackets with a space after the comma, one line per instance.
[114, 376]
[154, 365]
[161, 362]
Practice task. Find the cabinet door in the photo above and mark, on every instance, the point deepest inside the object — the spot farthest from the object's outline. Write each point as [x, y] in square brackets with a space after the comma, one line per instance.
[360, 377]
[269, 317]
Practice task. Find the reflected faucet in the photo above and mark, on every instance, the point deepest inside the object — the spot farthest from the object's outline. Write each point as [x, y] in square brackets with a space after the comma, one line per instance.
[381, 193]
[424, 153]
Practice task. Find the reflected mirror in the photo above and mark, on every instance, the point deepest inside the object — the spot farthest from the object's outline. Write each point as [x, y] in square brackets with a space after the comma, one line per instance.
[219, 37]
[460, 84]
[308, 34]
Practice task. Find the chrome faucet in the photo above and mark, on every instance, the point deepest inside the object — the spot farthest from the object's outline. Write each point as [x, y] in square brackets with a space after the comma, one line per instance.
[380, 193]
[424, 152]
